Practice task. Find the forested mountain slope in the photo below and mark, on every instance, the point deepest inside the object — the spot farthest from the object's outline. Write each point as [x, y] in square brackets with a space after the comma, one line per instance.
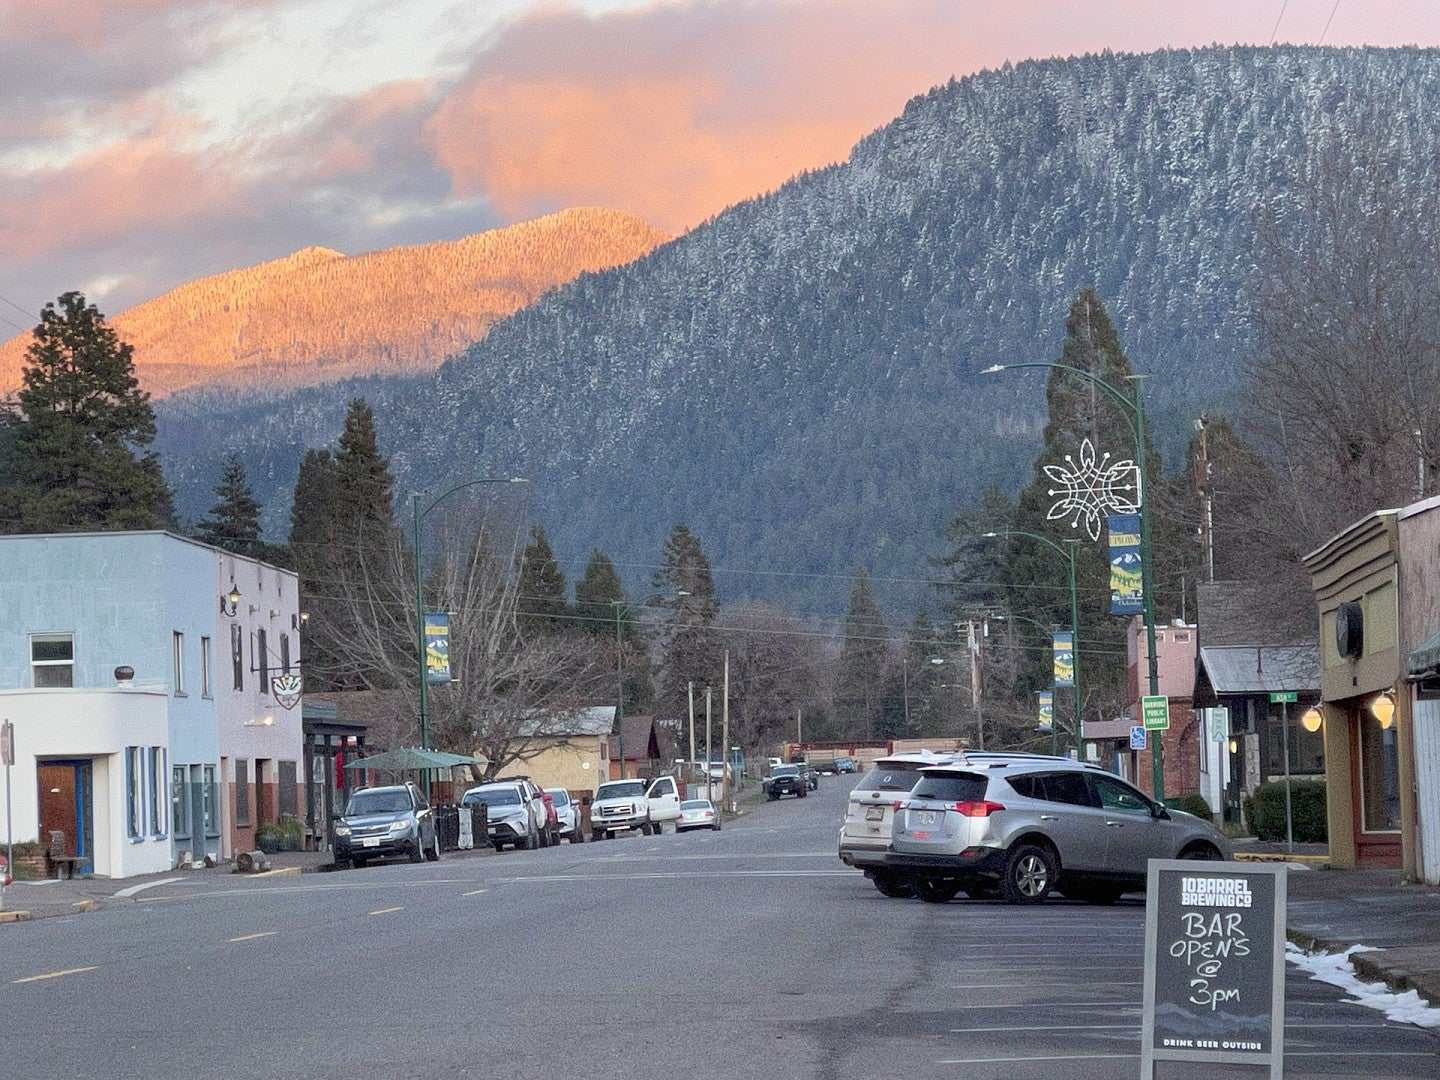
[798, 378]
[318, 315]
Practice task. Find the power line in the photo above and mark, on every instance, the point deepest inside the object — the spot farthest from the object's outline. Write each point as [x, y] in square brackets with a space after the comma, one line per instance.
[1328, 22]
[1283, 6]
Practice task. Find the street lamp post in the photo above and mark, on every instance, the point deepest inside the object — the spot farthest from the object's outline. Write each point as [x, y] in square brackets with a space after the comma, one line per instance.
[1135, 417]
[418, 516]
[1068, 554]
[619, 605]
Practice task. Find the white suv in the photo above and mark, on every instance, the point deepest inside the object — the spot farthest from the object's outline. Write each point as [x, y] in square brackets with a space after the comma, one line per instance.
[865, 834]
[514, 814]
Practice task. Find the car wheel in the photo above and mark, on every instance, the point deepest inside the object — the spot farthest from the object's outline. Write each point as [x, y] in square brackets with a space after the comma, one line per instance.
[1029, 874]
[933, 891]
[434, 853]
[894, 885]
[341, 864]
[716, 826]
[531, 841]
[803, 793]
[1201, 853]
[417, 854]
[979, 892]
[358, 862]
[596, 836]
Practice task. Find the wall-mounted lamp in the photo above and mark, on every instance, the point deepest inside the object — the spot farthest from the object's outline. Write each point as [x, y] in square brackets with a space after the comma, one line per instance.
[1234, 746]
[297, 621]
[230, 602]
[260, 721]
[1382, 707]
[1312, 719]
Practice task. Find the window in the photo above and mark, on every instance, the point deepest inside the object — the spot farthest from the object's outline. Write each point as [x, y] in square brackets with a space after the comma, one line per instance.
[134, 793]
[955, 788]
[1066, 787]
[242, 792]
[287, 795]
[264, 659]
[212, 819]
[1120, 797]
[1379, 774]
[207, 678]
[52, 659]
[177, 642]
[155, 779]
[237, 656]
[180, 802]
[285, 653]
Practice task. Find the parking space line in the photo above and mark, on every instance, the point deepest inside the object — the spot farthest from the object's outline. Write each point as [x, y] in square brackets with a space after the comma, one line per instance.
[252, 937]
[1035, 984]
[52, 975]
[476, 892]
[1055, 1004]
[387, 910]
[1050, 1057]
[1057, 1027]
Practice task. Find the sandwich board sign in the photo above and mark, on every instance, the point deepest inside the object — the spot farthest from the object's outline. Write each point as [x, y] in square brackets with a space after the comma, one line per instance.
[1214, 964]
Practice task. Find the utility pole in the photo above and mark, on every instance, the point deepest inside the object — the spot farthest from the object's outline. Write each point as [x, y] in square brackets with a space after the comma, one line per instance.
[709, 794]
[976, 644]
[690, 692]
[1207, 491]
[725, 731]
[799, 735]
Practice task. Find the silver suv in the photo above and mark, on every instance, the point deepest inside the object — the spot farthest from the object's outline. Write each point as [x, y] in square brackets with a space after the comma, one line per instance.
[1032, 826]
[865, 833]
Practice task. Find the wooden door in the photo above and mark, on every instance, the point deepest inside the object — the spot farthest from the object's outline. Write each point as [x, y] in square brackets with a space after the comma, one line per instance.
[58, 804]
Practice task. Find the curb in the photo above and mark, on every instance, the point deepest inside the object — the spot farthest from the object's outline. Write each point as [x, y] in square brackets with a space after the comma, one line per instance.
[1258, 856]
[14, 916]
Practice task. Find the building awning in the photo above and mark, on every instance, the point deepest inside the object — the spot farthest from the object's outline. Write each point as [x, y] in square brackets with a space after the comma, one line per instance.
[1426, 659]
[1237, 670]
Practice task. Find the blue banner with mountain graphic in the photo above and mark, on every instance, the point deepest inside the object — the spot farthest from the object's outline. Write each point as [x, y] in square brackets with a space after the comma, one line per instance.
[1063, 645]
[1126, 591]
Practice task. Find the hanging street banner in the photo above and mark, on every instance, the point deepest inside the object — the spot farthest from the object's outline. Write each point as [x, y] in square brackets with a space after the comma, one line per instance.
[1047, 711]
[437, 647]
[1063, 644]
[1126, 594]
[1214, 965]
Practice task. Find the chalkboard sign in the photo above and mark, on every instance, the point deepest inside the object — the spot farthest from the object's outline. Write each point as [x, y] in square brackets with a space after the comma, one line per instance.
[1214, 964]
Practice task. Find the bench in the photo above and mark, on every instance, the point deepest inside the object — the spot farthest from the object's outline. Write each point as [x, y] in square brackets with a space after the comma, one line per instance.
[57, 858]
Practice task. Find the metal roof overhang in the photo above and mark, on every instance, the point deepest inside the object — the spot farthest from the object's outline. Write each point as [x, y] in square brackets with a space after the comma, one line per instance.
[1260, 669]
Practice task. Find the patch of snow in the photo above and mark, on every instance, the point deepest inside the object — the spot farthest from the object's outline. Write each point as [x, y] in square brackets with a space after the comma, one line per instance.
[1335, 969]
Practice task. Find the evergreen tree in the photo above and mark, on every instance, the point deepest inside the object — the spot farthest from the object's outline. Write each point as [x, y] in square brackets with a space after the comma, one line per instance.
[542, 587]
[234, 521]
[363, 474]
[689, 649]
[860, 677]
[595, 595]
[78, 458]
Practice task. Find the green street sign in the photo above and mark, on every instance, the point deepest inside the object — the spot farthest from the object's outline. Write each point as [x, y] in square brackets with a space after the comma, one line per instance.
[1287, 696]
[1155, 712]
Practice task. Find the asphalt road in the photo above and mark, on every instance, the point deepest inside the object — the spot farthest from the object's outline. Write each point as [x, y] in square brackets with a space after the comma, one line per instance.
[747, 953]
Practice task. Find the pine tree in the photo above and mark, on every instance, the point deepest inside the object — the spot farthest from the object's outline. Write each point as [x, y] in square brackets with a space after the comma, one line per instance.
[595, 595]
[234, 521]
[860, 677]
[363, 474]
[689, 649]
[542, 587]
[78, 458]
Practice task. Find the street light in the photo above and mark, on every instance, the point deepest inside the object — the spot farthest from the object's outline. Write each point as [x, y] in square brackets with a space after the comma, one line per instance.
[1135, 418]
[418, 516]
[1068, 554]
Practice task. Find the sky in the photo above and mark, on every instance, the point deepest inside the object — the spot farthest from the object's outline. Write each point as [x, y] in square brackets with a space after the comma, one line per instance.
[146, 143]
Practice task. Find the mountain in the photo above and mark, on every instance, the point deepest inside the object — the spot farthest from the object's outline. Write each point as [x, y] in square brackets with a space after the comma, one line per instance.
[318, 315]
[798, 378]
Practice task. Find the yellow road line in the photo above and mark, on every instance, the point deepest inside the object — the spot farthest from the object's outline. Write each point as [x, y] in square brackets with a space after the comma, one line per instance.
[276, 873]
[476, 892]
[252, 937]
[386, 910]
[53, 975]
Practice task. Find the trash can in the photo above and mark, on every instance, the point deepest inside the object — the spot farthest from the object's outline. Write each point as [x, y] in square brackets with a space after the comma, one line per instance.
[447, 827]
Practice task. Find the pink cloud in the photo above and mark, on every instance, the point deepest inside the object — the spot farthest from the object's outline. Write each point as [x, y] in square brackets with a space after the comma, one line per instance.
[674, 111]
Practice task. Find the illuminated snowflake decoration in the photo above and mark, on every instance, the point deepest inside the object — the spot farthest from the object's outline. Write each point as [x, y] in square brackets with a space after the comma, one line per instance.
[1091, 490]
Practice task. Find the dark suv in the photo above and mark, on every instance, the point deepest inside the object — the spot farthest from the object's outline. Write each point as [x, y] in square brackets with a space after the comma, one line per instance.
[382, 822]
[1030, 827]
[785, 780]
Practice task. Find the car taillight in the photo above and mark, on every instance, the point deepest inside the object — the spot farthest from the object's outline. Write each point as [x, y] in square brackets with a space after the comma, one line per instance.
[977, 808]
[896, 805]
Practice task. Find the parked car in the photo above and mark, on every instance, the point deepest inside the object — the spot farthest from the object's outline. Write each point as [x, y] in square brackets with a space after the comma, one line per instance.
[844, 765]
[383, 822]
[550, 830]
[646, 805]
[784, 780]
[1030, 827]
[825, 766]
[697, 814]
[865, 832]
[515, 817]
[567, 811]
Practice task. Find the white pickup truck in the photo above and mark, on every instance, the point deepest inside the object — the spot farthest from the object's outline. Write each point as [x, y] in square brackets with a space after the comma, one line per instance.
[633, 804]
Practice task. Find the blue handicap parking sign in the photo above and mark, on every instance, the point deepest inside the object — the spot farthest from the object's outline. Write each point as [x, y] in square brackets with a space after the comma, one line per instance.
[1137, 738]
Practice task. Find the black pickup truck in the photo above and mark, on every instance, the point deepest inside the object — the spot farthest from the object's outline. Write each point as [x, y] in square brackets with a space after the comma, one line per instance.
[785, 780]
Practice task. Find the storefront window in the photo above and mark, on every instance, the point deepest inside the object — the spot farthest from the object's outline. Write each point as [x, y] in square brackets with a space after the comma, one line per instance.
[1379, 774]
[1307, 748]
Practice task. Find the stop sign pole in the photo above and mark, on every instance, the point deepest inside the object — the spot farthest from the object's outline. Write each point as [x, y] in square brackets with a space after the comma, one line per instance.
[7, 755]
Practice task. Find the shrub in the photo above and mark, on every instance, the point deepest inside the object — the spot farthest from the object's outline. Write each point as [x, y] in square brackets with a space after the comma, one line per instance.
[1192, 803]
[1265, 811]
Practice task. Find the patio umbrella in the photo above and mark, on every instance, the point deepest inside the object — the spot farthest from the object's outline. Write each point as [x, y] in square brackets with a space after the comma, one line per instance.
[407, 758]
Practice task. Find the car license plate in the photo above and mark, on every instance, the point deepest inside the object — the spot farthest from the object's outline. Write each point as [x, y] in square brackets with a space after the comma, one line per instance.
[370, 841]
[920, 834]
[874, 813]
[925, 817]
